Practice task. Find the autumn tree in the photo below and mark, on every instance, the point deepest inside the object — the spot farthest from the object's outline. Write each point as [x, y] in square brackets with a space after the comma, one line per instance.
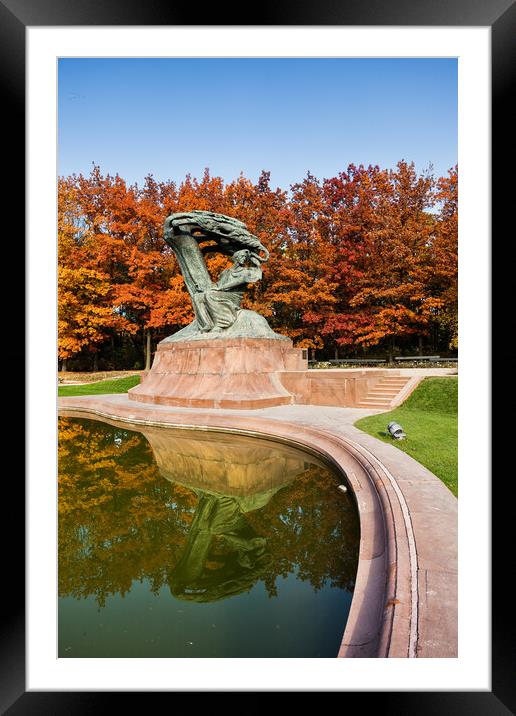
[445, 255]
[122, 241]
[386, 255]
[265, 211]
[149, 265]
[354, 201]
[85, 315]
[302, 292]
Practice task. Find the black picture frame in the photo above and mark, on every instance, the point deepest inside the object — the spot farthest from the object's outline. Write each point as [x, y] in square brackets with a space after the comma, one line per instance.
[15, 17]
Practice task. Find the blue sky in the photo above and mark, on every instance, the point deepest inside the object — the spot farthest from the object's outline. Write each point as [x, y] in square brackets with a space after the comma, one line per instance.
[170, 117]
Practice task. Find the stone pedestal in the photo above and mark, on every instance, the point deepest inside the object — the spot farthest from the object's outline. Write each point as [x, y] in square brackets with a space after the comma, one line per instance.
[221, 373]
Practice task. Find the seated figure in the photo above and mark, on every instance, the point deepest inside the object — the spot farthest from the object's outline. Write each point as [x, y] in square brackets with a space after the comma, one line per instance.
[217, 307]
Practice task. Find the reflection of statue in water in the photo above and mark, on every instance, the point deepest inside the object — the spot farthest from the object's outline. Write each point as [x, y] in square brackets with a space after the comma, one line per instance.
[192, 235]
[223, 555]
[217, 307]
[232, 475]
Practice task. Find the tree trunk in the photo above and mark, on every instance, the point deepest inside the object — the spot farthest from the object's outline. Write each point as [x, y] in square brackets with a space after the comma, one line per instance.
[63, 366]
[95, 363]
[148, 351]
[113, 360]
[390, 357]
[420, 345]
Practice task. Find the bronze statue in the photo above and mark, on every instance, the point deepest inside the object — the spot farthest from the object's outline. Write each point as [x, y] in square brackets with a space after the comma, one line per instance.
[217, 306]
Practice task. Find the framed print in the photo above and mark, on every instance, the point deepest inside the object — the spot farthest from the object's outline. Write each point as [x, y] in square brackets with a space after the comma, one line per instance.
[37, 41]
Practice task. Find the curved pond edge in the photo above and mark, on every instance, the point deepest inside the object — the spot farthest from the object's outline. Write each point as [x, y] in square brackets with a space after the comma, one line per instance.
[403, 604]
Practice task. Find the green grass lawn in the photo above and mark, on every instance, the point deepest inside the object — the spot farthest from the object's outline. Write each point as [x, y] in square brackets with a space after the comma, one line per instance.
[118, 385]
[429, 418]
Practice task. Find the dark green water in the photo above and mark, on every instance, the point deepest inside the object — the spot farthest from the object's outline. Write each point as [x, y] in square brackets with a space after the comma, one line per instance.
[177, 544]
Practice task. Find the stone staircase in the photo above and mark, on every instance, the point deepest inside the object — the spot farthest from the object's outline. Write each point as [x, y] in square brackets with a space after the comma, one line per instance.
[385, 392]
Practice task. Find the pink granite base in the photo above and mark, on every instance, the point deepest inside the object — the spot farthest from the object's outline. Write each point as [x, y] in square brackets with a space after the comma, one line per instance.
[247, 373]
[227, 373]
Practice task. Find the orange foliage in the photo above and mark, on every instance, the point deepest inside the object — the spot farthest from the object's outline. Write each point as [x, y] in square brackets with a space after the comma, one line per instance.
[356, 260]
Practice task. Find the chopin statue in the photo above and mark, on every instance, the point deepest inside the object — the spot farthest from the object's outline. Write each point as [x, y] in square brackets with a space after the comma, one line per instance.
[228, 356]
[217, 306]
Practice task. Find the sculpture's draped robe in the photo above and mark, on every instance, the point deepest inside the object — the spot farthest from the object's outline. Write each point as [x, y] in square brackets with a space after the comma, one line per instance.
[217, 307]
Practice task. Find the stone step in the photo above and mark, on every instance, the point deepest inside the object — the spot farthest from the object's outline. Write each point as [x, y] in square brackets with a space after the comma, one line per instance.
[380, 397]
[373, 406]
[393, 381]
[376, 400]
[378, 390]
[383, 388]
[390, 388]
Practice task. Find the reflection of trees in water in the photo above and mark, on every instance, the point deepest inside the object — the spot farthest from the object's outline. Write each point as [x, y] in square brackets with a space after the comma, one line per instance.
[311, 530]
[120, 521]
[117, 516]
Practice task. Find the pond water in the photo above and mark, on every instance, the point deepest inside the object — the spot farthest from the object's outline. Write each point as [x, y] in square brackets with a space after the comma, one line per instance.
[174, 543]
